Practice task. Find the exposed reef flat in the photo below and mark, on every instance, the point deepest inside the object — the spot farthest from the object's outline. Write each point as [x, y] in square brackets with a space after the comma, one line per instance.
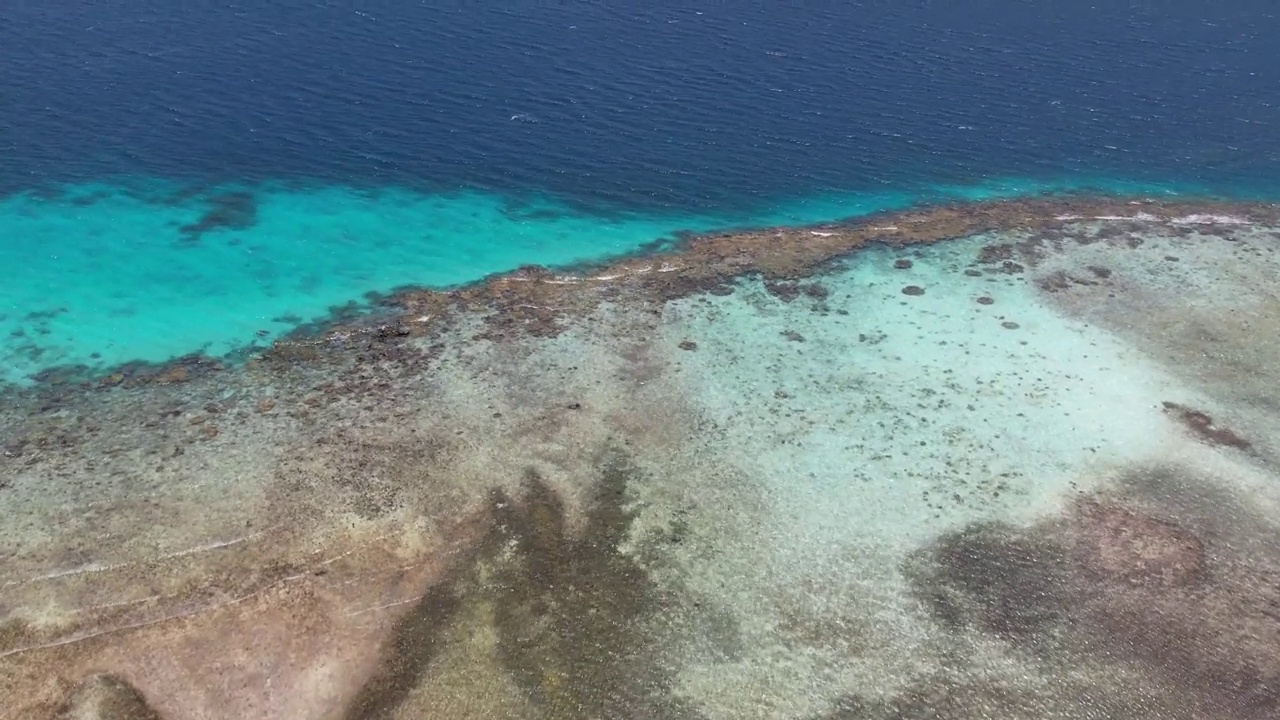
[846, 471]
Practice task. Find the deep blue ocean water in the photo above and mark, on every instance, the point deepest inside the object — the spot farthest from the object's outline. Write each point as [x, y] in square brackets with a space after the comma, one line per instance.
[200, 176]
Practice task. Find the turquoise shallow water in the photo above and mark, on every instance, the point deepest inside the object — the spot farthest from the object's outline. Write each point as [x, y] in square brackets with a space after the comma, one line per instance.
[112, 273]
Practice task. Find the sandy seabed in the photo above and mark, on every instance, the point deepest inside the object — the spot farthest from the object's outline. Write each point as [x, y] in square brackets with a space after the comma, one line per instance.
[1005, 460]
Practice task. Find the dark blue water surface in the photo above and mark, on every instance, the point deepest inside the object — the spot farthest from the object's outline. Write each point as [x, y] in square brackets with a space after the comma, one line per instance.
[717, 106]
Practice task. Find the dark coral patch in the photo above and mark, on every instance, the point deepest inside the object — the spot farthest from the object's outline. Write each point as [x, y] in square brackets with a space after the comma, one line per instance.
[571, 612]
[784, 291]
[1122, 544]
[1114, 581]
[994, 254]
[1203, 426]
[996, 578]
[237, 210]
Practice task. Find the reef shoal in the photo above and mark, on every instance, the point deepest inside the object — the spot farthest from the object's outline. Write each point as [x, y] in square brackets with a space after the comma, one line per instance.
[1015, 459]
[534, 300]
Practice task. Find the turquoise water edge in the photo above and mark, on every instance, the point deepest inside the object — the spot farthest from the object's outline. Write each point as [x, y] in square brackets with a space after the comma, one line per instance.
[147, 270]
